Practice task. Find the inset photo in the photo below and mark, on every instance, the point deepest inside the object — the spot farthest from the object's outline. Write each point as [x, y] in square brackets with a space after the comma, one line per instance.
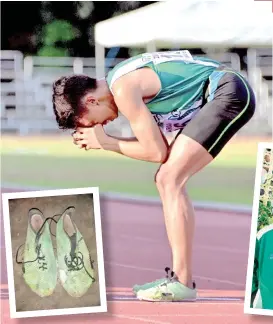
[259, 286]
[54, 252]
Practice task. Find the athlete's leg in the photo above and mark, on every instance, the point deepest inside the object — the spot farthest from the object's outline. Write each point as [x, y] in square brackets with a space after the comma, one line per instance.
[185, 159]
[201, 140]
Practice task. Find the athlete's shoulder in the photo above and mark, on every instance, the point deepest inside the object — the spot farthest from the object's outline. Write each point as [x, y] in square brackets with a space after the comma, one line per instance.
[204, 59]
[265, 232]
[123, 68]
[126, 62]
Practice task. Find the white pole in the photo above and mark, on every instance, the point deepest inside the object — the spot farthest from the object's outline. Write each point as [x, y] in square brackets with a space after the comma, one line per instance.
[251, 64]
[151, 46]
[78, 65]
[99, 60]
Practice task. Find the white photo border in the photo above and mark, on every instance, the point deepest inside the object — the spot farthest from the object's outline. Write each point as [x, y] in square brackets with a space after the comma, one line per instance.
[9, 260]
[254, 221]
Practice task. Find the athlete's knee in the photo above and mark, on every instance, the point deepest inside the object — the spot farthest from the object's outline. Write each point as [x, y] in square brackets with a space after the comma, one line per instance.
[169, 178]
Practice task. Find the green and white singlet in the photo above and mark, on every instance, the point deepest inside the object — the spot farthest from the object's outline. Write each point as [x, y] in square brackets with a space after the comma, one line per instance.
[262, 282]
[182, 78]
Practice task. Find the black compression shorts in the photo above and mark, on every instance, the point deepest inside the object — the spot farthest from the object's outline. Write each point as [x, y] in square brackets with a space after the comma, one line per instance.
[229, 106]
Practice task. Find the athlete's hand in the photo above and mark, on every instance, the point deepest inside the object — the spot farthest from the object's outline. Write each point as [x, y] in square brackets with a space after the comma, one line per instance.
[90, 137]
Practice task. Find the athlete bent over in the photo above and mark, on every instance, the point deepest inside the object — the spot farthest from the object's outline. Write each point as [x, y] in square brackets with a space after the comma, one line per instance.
[158, 93]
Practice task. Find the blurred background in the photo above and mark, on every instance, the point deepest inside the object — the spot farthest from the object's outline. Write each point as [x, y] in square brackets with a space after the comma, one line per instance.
[41, 41]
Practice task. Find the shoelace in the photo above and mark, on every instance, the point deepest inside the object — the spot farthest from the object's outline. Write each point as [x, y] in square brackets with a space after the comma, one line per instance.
[40, 257]
[167, 272]
[173, 277]
[75, 263]
[169, 278]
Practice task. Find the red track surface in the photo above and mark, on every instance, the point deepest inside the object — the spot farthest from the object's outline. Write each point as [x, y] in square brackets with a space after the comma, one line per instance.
[136, 251]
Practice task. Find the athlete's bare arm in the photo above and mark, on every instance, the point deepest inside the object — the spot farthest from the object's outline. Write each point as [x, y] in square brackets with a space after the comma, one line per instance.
[150, 144]
[130, 92]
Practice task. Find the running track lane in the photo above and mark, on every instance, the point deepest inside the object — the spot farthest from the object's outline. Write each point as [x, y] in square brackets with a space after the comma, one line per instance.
[136, 251]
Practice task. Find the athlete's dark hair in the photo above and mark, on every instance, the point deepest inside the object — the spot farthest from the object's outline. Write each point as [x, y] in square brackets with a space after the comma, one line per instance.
[66, 97]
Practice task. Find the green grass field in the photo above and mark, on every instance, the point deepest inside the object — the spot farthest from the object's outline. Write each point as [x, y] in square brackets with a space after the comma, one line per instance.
[56, 163]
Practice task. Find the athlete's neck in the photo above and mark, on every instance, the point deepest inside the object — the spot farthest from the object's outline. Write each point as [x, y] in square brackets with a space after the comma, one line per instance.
[103, 87]
[104, 94]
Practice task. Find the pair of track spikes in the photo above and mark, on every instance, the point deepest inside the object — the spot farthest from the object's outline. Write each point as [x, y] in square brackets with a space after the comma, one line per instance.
[72, 264]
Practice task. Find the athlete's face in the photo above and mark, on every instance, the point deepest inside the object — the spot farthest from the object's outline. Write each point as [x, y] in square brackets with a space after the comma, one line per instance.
[98, 108]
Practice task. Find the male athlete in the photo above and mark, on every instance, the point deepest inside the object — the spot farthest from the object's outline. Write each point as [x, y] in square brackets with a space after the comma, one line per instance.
[160, 93]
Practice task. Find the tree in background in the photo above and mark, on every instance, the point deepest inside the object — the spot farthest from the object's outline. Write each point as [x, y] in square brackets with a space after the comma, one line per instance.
[56, 37]
[55, 28]
[61, 27]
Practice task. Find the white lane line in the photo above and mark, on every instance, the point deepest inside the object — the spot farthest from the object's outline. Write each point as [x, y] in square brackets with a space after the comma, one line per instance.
[232, 283]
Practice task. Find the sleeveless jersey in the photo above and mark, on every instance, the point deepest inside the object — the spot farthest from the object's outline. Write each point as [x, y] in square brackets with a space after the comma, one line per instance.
[182, 78]
[262, 282]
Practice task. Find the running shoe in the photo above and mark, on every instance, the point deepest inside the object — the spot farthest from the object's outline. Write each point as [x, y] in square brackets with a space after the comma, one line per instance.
[170, 290]
[39, 263]
[75, 267]
[148, 285]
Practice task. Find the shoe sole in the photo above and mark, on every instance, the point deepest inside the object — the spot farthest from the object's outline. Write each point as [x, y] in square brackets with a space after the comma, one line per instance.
[166, 301]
